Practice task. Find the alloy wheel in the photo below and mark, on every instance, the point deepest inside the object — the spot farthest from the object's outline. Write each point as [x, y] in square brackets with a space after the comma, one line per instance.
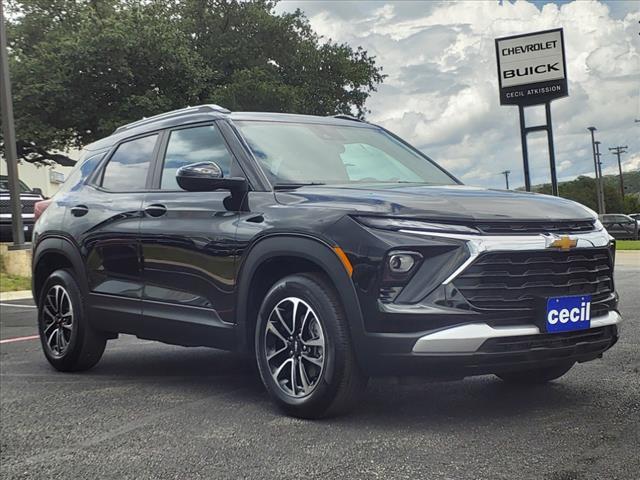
[294, 344]
[57, 316]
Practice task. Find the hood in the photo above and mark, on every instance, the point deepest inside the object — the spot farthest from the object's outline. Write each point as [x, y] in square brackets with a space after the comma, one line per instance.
[452, 202]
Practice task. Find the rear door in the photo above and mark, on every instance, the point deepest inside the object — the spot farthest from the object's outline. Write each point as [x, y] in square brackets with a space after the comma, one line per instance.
[104, 219]
[188, 245]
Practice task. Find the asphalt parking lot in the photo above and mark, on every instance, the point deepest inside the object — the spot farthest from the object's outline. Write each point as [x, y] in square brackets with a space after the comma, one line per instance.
[149, 410]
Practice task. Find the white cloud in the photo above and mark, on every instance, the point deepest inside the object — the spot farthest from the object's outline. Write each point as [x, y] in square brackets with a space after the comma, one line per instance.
[441, 92]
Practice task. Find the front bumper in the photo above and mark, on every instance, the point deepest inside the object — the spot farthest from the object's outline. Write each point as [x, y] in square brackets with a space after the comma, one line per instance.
[472, 278]
[479, 348]
[483, 315]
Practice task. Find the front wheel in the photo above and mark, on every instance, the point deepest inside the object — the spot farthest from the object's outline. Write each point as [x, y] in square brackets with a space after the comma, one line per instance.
[304, 350]
[535, 376]
[68, 340]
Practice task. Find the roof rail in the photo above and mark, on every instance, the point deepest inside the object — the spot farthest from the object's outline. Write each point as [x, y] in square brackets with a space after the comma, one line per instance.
[173, 113]
[344, 116]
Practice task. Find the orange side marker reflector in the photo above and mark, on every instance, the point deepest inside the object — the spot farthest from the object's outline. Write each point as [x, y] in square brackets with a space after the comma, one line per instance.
[344, 259]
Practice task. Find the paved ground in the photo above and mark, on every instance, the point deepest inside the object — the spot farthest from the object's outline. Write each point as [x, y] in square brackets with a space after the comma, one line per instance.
[153, 411]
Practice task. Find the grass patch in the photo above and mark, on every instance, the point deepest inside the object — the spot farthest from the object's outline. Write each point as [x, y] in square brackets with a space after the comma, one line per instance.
[12, 283]
[627, 244]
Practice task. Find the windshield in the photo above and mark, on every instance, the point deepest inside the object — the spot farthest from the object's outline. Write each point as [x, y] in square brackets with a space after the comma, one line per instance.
[4, 185]
[302, 153]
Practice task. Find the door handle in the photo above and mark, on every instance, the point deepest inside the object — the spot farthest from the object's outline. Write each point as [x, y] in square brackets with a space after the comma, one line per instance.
[79, 210]
[155, 210]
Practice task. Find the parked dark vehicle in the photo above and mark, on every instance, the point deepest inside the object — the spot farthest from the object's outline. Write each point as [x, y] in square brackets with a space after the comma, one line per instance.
[327, 248]
[28, 199]
[621, 227]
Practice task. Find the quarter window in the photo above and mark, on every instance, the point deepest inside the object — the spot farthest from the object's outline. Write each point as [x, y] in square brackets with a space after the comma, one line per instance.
[127, 168]
[193, 145]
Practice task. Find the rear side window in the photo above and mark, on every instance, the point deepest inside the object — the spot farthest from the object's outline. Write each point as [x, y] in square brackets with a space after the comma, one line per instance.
[128, 167]
[193, 145]
[79, 174]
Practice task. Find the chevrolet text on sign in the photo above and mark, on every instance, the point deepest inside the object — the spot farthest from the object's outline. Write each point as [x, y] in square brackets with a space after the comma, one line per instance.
[531, 68]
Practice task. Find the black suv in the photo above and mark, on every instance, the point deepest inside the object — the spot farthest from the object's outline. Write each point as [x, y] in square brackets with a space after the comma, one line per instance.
[326, 247]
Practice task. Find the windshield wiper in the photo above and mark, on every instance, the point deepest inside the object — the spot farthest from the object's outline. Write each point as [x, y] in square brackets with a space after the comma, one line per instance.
[289, 186]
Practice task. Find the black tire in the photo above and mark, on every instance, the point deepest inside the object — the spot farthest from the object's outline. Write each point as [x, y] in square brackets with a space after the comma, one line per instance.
[340, 382]
[535, 376]
[84, 346]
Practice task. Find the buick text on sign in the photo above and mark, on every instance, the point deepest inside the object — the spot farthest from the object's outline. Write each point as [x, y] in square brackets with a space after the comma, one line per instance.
[531, 67]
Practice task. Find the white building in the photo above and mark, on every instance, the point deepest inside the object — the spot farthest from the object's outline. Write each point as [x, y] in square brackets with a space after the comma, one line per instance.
[46, 178]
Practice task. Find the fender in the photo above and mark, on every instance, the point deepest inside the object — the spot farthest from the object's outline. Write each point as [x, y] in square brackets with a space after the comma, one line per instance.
[309, 248]
[62, 246]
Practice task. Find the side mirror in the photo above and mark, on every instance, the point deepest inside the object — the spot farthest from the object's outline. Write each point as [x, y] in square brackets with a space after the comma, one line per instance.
[208, 177]
[37, 191]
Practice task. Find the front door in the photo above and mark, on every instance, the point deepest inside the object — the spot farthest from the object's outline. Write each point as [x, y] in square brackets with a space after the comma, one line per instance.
[188, 245]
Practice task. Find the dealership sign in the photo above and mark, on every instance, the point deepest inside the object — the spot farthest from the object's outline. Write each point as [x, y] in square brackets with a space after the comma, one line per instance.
[531, 68]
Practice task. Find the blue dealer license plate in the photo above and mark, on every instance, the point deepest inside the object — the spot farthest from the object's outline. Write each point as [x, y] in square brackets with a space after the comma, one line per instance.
[565, 314]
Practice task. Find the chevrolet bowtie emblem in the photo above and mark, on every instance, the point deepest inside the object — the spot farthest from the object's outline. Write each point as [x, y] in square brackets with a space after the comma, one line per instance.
[564, 243]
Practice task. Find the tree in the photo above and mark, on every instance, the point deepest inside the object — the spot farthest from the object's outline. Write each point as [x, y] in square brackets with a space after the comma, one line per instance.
[583, 190]
[80, 68]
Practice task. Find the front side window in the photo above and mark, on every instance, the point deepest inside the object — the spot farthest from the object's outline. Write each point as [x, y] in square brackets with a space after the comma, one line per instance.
[127, 168]
[301, 153]
[193, 145]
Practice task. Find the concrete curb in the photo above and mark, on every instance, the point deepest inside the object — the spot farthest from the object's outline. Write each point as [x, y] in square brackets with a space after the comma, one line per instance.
[17, 295]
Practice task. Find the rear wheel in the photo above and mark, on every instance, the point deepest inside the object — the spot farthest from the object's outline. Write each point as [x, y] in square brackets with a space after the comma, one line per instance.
[304, 350]
[68, 341]
[535, 376]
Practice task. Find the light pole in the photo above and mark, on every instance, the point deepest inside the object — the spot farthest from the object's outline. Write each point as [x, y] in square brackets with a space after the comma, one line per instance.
[506, 177]
[600, 179]
[595, 166]
[617, 151]
[9, 137]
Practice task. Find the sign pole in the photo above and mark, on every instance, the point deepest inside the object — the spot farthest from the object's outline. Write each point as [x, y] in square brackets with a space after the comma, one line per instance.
[525, 151]
[552, 155]
[9, 137]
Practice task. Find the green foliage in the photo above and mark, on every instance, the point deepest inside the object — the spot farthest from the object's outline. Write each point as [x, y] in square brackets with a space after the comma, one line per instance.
[631, 203]
[11, 283]
[583, 190]
[80, 68]
[627, 244]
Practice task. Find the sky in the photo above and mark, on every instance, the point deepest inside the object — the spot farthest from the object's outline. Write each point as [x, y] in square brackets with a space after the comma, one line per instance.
[441, 90]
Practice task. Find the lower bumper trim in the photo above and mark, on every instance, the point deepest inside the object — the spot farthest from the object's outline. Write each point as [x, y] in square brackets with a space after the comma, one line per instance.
[469, 338]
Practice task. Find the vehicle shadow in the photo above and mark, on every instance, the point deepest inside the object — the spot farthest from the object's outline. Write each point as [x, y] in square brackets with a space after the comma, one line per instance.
[386, 400]
[167, 367]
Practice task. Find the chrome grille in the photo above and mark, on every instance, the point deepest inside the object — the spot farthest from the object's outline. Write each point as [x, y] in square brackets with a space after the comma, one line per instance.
[27, 206]
[519, 280]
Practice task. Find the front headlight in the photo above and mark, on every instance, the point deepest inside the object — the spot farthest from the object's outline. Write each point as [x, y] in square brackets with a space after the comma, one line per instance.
[389, 223]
